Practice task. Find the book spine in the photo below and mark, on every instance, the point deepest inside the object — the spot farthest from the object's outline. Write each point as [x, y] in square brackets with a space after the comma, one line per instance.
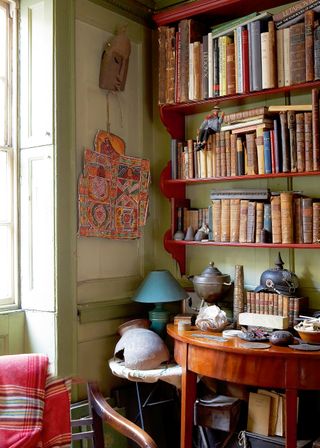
[286, 201]
[252, 161]
[286, 57]
[208, 151]
[316, 51]
[227, 135]
[174, 159]
[184, 28]
[177, 69]
[280, 58]
[162, 35]
[272, 54]
[233, 156]
[308, 137]
[300, 142]
[267, 224]
[245, 61]
[309, 44]
[223, 154]
[285, 142]
[277, 146]
[307, 220]
[230, 69]
[234, 220]
[294, 13]
[267, 152]
[260, 149]
[190, 159]
[255, 61]
[223, 64]
[196, 71]
[265, 60]
[216, 58]
[205, 67]
[316, 222]
[210, 66]
[251, 223]
[315, 130]
[216, 219]
[238, 60]
[298, 230]
[225, 220]
[240, 157]
[276, 219]
[297, 54]
[243, 220]
[259, 221]
[212, 137]
[245, 114]
[292, 140]
[170, 69]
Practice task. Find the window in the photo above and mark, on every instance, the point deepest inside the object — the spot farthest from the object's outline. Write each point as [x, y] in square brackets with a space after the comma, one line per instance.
[8, 179]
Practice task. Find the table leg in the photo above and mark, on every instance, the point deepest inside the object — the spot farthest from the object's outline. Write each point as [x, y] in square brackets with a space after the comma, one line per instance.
[188, 397]
[291, 418]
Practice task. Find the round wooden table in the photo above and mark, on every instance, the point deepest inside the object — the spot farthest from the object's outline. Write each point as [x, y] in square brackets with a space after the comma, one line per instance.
[274, 367]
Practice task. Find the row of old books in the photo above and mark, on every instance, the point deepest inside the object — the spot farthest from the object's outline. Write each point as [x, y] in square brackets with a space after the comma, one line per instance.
[276, 304]
[254, 216]
[265, 143]
[240, 56]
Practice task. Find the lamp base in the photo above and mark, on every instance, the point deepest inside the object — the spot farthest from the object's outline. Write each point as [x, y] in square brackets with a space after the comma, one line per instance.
[159, 318]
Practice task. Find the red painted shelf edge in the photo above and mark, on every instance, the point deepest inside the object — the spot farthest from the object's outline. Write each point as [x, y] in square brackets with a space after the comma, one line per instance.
[174, 243]
[178, 252]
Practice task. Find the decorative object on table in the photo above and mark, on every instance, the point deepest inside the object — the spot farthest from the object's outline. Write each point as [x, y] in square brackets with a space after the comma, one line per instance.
[309, 330]
[159, 287]
[281, 337]
[254, 335]
[179, 235]
[113, 193]
[211, 318]
[278, 280]
[141, 349]
[238, 293]
[210, 125]
[115, 61]
[211, 285]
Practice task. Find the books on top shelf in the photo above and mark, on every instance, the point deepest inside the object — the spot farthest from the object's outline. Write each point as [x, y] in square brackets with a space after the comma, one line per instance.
[258, 141]
[247, 54]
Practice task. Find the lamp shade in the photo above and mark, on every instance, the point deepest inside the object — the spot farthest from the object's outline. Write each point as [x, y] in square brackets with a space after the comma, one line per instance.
[159, 287]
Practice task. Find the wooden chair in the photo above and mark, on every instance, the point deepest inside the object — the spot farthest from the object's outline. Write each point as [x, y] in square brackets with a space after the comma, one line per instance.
[100, 411]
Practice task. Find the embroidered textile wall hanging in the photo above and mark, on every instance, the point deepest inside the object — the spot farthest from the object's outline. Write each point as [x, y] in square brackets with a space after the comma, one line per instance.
[113, 192]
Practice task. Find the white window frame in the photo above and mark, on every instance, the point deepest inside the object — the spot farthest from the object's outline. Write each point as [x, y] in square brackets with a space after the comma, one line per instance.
[10, 148]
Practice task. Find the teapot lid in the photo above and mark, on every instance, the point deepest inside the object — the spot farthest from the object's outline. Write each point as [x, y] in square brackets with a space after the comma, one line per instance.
[211, 271]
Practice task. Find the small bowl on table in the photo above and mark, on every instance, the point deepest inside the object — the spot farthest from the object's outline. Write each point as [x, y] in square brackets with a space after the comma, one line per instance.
[308, 336]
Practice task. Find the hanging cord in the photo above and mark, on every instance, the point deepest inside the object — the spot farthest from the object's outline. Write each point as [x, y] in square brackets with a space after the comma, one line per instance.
[242, 439]
[108, 109]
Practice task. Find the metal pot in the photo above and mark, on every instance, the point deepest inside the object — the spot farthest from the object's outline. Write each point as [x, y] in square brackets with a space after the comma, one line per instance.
[211, 285]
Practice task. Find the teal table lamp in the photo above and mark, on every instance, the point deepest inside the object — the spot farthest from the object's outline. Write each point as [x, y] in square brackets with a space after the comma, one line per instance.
[159, 287]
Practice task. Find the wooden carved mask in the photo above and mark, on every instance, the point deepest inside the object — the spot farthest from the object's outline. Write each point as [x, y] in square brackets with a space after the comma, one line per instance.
[114, 62]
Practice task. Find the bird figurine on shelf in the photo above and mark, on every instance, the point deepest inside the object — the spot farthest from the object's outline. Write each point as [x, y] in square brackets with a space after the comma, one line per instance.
[210, 125]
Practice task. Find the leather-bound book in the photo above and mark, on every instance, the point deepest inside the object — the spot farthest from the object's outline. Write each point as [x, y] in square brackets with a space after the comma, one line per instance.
[273, 54]
[240, 157]
[209, 159]
[260, 149]
[294, 12]
[218, 155]
[251, 223]
[297, 54]
[276, 219]
[252, 159]
[308, 156]
[234, 220]
[316, 222]
[285, 142]
[243, 220]
[205, 67]
[212, 137]
[230, 69]
[245, 61]
[277, 145]
[245, 115]
[170, 62]
[286, 57]
[300, 142]
[162, 36]
[216, 219]
[203, 163]
[190, 159]
[225, 220]
[177, 69]
[223, 154]
[286, 201]
[315, 130]
[280, 58]
[223, 42]
[233, 154]
[297, 213]
[259, 221]
[216, 81]
[316, 44]
[197, 71]
[307, 219]
[267, 152]
[292, 140]
[309, 43]
[228, 153]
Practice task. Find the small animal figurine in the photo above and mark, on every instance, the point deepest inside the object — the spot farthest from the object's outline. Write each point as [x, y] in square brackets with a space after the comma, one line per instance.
[209, 126]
